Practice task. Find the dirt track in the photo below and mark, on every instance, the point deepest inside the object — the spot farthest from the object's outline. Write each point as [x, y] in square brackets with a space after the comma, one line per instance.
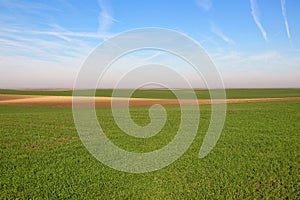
[104, 102]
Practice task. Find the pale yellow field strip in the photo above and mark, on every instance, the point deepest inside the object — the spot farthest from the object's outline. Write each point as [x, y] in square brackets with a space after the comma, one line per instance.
[103, 102]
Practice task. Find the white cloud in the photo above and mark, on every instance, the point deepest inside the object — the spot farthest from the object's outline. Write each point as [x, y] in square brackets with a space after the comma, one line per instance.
[27, 44]
[283, 9]
[62, 34]
[105, 17]
[266, 56]
[255, 15]
[208, 40]
[205, 4]
[220, 34]
[47, 55]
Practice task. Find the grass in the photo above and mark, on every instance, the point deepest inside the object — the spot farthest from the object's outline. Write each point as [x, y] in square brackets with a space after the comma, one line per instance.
[257, 156]
[167, 94]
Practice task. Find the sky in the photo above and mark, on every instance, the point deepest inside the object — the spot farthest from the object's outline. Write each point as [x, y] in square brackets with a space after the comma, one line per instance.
[253, 43]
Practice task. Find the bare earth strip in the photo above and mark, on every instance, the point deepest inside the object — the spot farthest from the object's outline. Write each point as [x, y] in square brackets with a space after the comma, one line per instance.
[105, 102]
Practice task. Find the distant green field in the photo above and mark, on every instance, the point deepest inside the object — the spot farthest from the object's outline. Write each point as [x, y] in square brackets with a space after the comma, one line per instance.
[167, 94]
[257, 156]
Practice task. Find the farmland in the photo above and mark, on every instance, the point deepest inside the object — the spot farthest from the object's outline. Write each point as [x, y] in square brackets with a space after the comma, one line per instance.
[257, 156]
[167, 94]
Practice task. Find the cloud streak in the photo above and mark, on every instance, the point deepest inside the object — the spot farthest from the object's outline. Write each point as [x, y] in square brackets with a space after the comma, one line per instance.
[283, 10]
[31, 41]
[59, 34]
[105, 17]
[220, 34]
[205, 4]
[255, 15]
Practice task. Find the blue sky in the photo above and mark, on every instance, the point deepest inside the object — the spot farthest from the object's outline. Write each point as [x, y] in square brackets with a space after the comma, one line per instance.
[254, 43]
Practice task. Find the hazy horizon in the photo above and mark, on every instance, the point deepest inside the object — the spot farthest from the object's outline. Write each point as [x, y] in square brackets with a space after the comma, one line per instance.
[150, 88]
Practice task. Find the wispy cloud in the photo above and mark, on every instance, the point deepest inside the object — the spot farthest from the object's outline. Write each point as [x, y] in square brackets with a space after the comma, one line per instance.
[263, 57]
[216, 30]
[43, 39]
[209, 40]
[43, 44]
[260, 69]
[151, 57]
[283, 10]
[33, 43]
[255, 15]
[59, 34]
[244, 57]
[205, 4]
[105, 17]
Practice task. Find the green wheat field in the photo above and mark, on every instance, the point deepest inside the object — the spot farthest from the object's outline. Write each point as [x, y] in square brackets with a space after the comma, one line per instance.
[256, 157]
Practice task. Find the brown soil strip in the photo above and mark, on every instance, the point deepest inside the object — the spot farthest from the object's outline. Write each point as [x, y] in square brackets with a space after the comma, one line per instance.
[6, 97]
[104, 102]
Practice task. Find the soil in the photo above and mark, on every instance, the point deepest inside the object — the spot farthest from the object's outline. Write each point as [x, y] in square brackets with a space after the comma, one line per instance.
[105, 102]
